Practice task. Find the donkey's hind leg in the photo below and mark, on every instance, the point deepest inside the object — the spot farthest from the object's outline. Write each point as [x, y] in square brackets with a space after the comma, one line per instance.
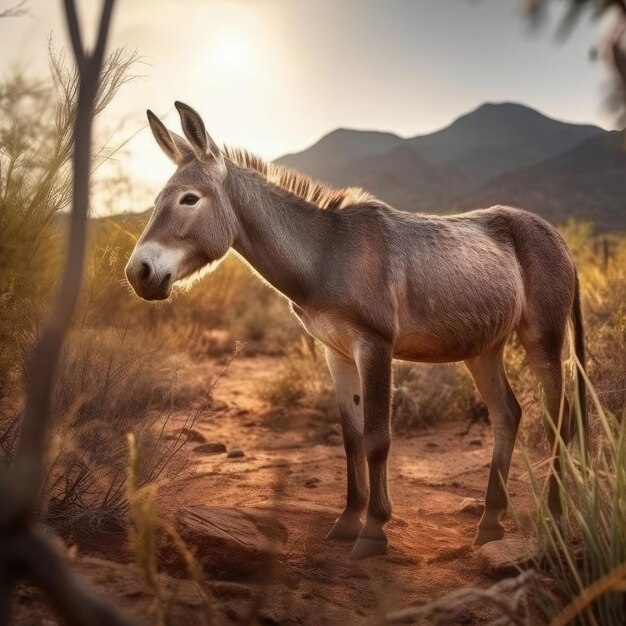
[544, 350]
[349, 398]
[489, 375]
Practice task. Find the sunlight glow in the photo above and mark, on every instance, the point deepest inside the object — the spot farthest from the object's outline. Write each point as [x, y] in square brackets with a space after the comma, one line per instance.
[232, 51]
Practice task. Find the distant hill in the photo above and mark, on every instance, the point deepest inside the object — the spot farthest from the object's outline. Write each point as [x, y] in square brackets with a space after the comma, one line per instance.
[403, 178]
[497, 154]
[587, 182]
[496, 138]
[339, 148]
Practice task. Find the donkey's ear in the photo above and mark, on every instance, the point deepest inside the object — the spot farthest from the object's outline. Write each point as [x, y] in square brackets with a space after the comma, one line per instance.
[203, 145]
[174, 146]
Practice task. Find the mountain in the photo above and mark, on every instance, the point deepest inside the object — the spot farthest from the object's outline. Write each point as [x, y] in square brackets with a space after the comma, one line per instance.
[403, 178]
[491, 140]
[587, 182]
[497, 154]
[496, 138]
[337, 149]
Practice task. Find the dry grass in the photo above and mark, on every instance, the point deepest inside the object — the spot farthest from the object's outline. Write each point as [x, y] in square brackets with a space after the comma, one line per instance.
[581, 560]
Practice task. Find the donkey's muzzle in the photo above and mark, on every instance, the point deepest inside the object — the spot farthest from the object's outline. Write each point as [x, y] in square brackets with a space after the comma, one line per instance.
[149, 274]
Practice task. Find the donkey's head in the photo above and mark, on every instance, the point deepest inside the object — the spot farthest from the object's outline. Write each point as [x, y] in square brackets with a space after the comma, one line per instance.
[193, 223]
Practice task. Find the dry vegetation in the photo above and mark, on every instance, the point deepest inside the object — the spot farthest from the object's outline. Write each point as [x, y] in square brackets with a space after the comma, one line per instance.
[122, 370]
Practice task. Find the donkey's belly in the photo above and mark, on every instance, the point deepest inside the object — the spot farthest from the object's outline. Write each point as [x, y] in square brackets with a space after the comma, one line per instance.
[425, 348]
[458, 332]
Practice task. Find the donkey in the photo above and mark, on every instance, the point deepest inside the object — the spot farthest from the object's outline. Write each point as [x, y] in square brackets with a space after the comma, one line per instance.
[372, 284]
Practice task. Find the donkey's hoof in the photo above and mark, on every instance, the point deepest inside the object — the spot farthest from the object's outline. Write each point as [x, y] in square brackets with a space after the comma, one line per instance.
[367, 546]
[485, 534]
[345, 530]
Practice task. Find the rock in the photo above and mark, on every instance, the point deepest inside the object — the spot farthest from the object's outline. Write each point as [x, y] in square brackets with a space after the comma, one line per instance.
[506, 557]
[334, 440]
[126, 587]
[226, 590]
[472, 506]
[235, 453]
[210, 448]
[477, 443]
[192, 435]
[231, 541]
[464, 616]
[311, 483]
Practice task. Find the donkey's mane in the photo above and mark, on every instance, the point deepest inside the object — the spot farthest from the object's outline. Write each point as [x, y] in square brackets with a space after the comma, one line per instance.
[313, 191]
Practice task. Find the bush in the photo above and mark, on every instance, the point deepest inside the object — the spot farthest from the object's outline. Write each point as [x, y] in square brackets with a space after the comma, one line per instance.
[422, 394]
[582, 560]
[302, 379]
[426, 394]
[108, 384]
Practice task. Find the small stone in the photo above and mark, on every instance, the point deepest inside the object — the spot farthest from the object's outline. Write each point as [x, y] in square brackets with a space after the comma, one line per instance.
[210, 448]
[464, 616]
[472, 506]
[192, 435]
[224, 589]
[233, 541]
[432, 444]
[476, 443]
[507, 556]
[235, 453]
[311, 483]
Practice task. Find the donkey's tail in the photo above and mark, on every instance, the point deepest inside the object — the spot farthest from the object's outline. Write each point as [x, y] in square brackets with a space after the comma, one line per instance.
[579, 350]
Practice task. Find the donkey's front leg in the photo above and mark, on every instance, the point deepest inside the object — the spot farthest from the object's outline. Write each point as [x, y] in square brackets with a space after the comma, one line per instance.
[374, 364]
[348, 388]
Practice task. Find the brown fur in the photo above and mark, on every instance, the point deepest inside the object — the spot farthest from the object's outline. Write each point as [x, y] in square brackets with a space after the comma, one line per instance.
[372, 284]
[315, 192]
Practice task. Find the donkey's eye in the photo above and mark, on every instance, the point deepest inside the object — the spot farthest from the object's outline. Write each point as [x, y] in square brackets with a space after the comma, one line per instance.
[189, 199]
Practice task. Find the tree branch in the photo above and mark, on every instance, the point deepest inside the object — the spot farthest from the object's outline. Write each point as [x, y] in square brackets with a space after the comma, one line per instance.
[16, 11]
[69, 596]
[103, 33]
[74, 30]
[25, 552]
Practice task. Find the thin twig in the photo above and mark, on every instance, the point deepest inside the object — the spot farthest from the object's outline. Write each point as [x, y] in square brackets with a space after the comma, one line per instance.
[509, 596]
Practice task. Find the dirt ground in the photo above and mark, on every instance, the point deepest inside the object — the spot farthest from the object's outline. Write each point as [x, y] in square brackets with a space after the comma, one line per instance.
[290, 469]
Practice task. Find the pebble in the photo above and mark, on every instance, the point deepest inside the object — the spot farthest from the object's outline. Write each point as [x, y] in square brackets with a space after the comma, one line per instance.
[472, 506]
[210, 448]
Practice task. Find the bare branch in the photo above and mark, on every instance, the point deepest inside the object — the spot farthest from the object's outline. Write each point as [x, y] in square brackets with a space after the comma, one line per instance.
[28, 466]
[619, 55]
[509, 597]
[69, 596]
[19, 10]
[25, 552]
[103, 33]
[74, 29]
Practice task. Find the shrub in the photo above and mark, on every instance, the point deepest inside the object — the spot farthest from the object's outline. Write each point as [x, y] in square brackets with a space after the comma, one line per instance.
[108, 384]
[301, 380]
[582, 560]
[425, 394]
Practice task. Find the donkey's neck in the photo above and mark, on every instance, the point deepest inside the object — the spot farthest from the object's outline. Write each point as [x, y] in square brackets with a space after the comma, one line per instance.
[280, 235]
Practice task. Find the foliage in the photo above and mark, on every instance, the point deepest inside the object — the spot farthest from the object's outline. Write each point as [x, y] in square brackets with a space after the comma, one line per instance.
[582, 560]
[36, 121]
[426, 394]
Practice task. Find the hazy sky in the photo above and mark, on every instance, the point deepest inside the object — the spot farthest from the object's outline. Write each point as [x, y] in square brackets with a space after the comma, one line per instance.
[275, 75]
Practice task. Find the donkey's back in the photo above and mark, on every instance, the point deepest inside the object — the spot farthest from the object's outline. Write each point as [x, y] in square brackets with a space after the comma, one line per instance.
[458, 285]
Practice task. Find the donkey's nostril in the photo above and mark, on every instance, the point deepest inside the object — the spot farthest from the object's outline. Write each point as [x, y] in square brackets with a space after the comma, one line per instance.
[145, 272]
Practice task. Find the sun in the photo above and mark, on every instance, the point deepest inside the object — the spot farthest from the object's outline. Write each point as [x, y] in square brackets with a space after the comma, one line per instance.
[231, 50]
